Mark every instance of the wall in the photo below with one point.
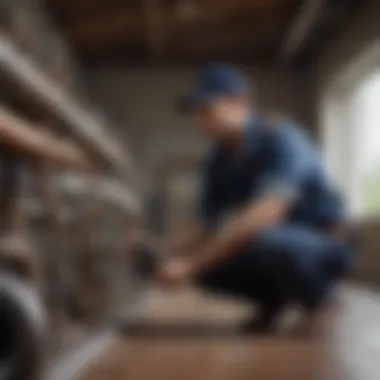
(362, 32)
(343, 61)
(142, 101)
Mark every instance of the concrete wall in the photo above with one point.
(142, 101)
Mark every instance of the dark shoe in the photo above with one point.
(265, 322)
(256, 326)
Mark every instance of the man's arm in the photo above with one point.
(239, 232)
(186, 241)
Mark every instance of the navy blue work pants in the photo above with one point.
(286, 262)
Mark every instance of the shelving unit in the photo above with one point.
(49, 134)
(25, 77)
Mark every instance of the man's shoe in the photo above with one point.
(263, 323)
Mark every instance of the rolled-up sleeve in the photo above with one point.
(288, 160)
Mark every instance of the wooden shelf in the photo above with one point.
(81, 123)
(28, 139)
(107, 189)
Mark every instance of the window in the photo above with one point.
(368, 97)
(352, 140)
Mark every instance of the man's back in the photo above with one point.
(276, 159)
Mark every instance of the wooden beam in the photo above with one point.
(302, 27)
(109, 189)
(107, 25)
(256, 55)
(71, 8)
(155, 27)
(245, 34)
(80, 122)
(223, 8)
(27, 139)
(125, 24)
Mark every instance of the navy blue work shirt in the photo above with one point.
(279, 160)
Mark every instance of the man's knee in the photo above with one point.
(341, 258)
(297, 247)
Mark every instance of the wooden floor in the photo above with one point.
(349, 351)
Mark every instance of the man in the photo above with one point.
(278, 246)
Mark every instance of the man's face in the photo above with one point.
(223, 117)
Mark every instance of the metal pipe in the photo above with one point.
(81, 123)
(23, 137)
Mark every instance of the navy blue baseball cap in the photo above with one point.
(213, 81)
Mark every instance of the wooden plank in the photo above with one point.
(27, 139)
(237, 37)
(80, 122)
(156, 31)
(129, 24)
(108, 189)
(211, 357)
(71, 8)
(350, 350)
(302, 27)
(106, 25)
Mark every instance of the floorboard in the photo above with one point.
(350, 349)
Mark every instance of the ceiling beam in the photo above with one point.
(302, 26)
(70, 7)
(106, 26)
(107, 188)
(229, 40)
(131, 24)
(260, 55)
(227, 6)
(155, 28)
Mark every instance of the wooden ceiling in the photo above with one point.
(173, 31)
(177, 32)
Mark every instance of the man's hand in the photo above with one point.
(184, 241)
(175, 273)
(249, 222)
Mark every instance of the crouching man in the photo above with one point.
(279, 246)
